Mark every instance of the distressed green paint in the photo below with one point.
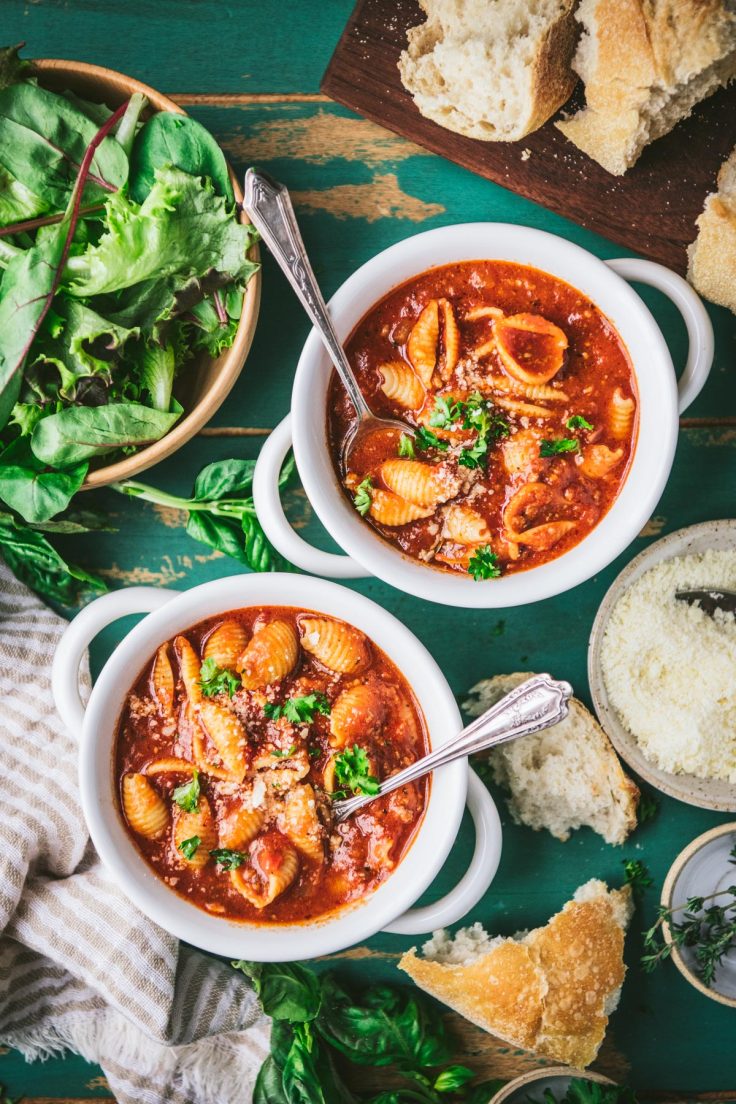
(671, 1036)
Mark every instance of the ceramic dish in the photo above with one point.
(703, 792)
(703, 868)
(205, 382)
(532, 1086)
(660, 398)
(386, 909)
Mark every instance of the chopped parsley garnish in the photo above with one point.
(278, 753)
(483, 564)
(217, 680)
(577, 421)
(647, 809)
(228, 859)
(362, 496)
(187, 795)
(636, 874)
(406, 447)
(314, 752)
(299, 710)
(557, 446)
(427, 439)
(352, 770)
(188, 847)
(475, 456)
(474, 413)
(446, 412)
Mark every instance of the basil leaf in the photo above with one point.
(286, 990)
(452, 1078)
(218, 533)
(170, 139)
(43, 139)
(269, 1086)
(260, 555)
(82, 432)
(36, 562)
(29, 488)
(12, 67)
(181, 228)
(224, 479)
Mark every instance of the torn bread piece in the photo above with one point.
(645, 65)
(550, 991)
(491, 69)
(712, 256)
(561, 778)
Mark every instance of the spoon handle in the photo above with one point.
(269, 208)
(538, 703)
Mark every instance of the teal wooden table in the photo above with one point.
(250, 72)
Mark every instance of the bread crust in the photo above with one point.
(551, 79)
(552, 991)
(646, 63)
(712, 256)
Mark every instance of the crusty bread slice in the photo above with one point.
(491, 69)
(712, 256)
(563, 777)
(550, 991)
(645, 64)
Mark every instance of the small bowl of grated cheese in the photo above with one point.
(662, 673)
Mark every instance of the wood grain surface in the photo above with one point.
(250, 73)
(651, 209)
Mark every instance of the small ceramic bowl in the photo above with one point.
(531, 1086)
(707, 793)
(205, 381)
(702, 868)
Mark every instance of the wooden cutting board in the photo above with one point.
(652, 209)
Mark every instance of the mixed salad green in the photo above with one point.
(121, 258)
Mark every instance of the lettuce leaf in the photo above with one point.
(83, 432)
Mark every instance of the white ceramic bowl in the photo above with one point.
(604, 283)
(707, 793)
(702, 868)
(529, 1088)
(169, 613)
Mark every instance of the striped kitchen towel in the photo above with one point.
(80, 968)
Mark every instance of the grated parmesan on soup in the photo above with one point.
(670, 670)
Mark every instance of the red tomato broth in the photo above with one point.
(359, 854)
(594, 365)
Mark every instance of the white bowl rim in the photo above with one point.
(703, 793)
(432, 841)
(658, 422)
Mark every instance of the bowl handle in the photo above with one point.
(695, 316)
(275, 523)
(476, 880)
(83, 629)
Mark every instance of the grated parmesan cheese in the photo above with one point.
(670, 670)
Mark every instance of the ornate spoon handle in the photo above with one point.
(538, 703)
(269, 208)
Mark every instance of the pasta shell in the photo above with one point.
(357, 712)
(621, 416)
(599, 460)
(421, 347)
(299, 821)
(451, 335)
(227, 735)
(200, 823)
(531, 348)
(402, 385)
(336, 645)
(145, 810)
(328, 775)
(465, 525)
(419, 483)
(527, 502)
(200, 758)
(162, 682)
(189, 668)
(170, 764)
(240, 826)
(484, 350)
(521, 453)
(542, 537)
(226, 644)
(389, 509)
(477, 313)
(275, 868)
(528, 410)
(270, 656)
(537, 392)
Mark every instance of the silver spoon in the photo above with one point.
(269, 208)
(538, 703)
(709, 600)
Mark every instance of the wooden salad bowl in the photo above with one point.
(205, 382)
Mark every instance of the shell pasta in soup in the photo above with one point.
(521, 408)
(232, 746)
